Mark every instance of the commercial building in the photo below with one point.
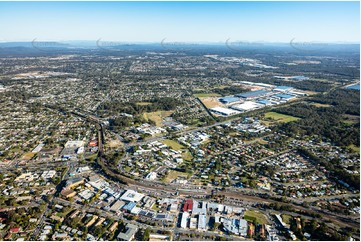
(132, 196)
(129, 206)
(184, 220)
(128, 235)
(193, 223)
(188, 206)
(117, 206)
(202, 222)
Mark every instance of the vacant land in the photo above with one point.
(281, 118)
(211, 102)
(206, 95)
(258, 217)
(172, 175)
(143, 103)
(173, 144)
(28, 155)
(157, 117)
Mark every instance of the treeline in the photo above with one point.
(155, 104)
(326, 122)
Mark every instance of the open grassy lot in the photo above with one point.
(143, 103)
(282, 118)
(173, 144)
(251, 215)
(187, 156)
(350, 119)
(206, 95)
(321, 105)
(286, 218)
(354, 148)
(157, 117)
(28, 156)
(172, 175)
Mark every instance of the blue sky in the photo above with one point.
(180, 21)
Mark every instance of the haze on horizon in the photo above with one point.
(180, 21)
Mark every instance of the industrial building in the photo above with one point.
(229, 99)
(254, 94)
(264, 102)
(284, 96)
(282, 89)
(223, 111)
(246, 106)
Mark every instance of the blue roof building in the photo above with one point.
(253, 94)
(129, 206)
(229, 99)
(264, 102)
(284, 96)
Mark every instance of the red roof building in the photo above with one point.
(15, 230)
(188, 205)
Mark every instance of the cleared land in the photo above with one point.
(173, 144)
(206, 95)
(143, 103)
(258, 217)
(321, 105)
(172, 175)
(281, 118)
(157, 117)
(211, 102)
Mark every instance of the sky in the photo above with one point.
(180, 21)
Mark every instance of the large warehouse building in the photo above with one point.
(254, 94)
(223, 111)
(247, 106)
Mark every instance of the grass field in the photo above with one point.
(206, 95)
(251, 215)
(173, 144)
(286, 218)
(282, 118)
(157, 117)
(187, 156)
(172, 175)
(354, 148)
